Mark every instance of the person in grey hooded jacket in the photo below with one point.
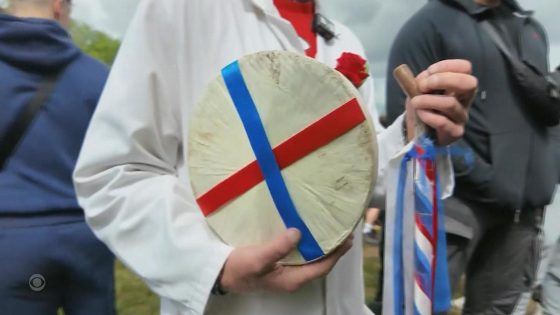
(493, 223)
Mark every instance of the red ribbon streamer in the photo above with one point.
(313, 137)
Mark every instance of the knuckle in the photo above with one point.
(467, 84)
(412, 101)
(449, 103)
(328, 267)
(434, 81)
(458, 131)
(255, 266)
(421, 101)
(292, 287)
(423, 84)
(435, 68)
(440, 123)
(473, 81)
(468, 66)
(327, 270)
(462, 117)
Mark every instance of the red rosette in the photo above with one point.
(353, 67)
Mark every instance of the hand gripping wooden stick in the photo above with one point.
(407, 82)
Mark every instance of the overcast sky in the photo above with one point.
(376, 22)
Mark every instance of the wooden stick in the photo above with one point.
(407, 82)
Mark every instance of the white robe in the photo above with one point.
(131, 177)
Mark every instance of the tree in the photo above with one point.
(94, 43)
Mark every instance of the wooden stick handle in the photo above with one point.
(407, 82)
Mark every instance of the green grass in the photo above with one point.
(134, 298)
(132, 295)
(371, 271)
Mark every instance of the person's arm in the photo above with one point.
(126, 178)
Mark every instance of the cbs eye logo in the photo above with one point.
(37, 283)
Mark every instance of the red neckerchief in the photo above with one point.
(301, 17)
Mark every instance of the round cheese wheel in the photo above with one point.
(330, 186)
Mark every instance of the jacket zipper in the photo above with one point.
(483, 92)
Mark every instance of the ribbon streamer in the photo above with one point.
(432, 293)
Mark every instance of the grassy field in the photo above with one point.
(133, 298)
(371, 271)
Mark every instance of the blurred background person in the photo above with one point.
(548, 280)
(370, 231)
(494, 221)
(547, 286)
(50, 259)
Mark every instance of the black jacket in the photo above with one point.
(515, 162)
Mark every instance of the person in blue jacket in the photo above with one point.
(49, 258)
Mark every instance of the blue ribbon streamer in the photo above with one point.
(442, 288)
(442, 292)
(247, 110)
(398, 269)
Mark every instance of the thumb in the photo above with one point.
(270, 253)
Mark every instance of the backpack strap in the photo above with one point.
(498, 40)
(9, 142)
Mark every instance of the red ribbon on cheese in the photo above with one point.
(318, 134)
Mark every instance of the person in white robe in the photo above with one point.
(133, 183)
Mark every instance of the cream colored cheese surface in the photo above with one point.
(330, 187)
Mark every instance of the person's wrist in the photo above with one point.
(218, 289)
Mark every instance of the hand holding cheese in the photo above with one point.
(279, 141)
(259, 267)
